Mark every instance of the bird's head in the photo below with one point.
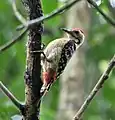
(75, 34)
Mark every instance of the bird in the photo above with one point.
(57, 54)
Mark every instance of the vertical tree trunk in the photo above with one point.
(33, 68)
(72, 87)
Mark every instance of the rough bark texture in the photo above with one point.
(72, 87)
(33, 68)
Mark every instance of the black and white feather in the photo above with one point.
(66, 54)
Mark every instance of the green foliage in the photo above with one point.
(101, 44)
(101, 49)
(12, 61)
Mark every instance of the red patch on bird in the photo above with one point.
(48, 77)
(45, 78)
(76, 29)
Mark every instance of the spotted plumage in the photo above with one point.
(66, 54)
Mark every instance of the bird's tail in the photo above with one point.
(45, 89)
(48, 78)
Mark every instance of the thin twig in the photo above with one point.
(42, 57)
(54, 13)
(107, 18)
(10, 96)
(34, 21)
(97, 87)
(46, 17)
(17, 14)
(17, 38)
(12, 42)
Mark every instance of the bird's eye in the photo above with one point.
(77, 32)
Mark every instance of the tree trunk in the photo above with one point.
(33, 68)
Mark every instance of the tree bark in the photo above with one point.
(72, 87)
(33, 68)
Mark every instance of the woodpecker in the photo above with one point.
(57, 54)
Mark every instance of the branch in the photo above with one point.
(107, 18)
(17, 38)
(17, 14)
(32, 22)
(65, 7)
(46, 17)
(12, 42)
(10, 96)
(97, 87)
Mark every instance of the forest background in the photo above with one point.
(92, 58)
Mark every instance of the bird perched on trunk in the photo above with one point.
(57, 54)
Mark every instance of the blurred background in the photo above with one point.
(83, 70)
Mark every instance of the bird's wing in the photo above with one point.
(66, 54)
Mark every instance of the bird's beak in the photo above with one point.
(66, 30)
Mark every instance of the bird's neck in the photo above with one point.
(77, 41)
(71, 37)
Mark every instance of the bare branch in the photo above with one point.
(32, 22)
(17, 38)
(46, 17)
(107, 18)
(10, 96)
(17, 14)
(97, 87)
(65, 7)
(12, 42)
